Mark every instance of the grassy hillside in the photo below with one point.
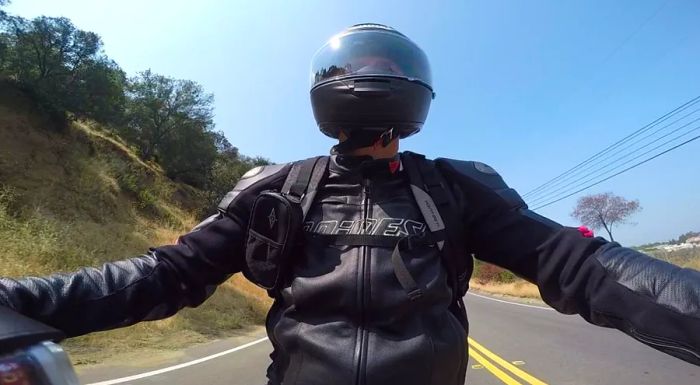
(495, 280)
(684, 257)
(79, 196)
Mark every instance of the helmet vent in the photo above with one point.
(372, 26)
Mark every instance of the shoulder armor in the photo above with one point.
(487, 177)
(255, 180)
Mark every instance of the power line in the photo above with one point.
(544, 193)
(634, 33)
(636, 157)
(549, 194)
(619, 142)
(591, 77)
(618, 173)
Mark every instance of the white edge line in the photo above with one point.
(508, 302)
(176, 367)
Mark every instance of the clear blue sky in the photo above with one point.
(529, 87)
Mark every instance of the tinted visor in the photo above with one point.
(370, 53)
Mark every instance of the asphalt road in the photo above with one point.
(509, 343)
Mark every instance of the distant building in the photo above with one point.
(693, 240)
(681, 246)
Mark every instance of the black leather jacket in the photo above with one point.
(342, 316)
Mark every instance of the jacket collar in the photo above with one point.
(366, 166)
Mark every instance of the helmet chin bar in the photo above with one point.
(360, 138)
(335, 107)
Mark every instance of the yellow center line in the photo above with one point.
(505, 364)
(508, 380)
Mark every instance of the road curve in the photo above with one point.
(559, 349)
(509, 343)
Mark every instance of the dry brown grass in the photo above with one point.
(250, 290)
(694, 264)
(117, 144)
(82, 198)
(519, 288)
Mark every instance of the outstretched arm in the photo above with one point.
(653, 301)
(153, 286)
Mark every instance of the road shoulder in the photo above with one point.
(147, 360)
(509, 298)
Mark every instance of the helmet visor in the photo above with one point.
(370, 53)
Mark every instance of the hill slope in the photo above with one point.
(82, 197)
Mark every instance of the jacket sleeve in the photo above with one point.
(651, 300)
(152, 286)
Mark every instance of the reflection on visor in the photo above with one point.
(377, 65)
(370, 53)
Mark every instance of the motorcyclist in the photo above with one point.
(342, 313)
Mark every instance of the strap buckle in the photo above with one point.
(415, 295)
(387, 136)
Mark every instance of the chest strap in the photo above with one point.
(385, 241)
(398, 244)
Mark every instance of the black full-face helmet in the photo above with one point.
(370, 77)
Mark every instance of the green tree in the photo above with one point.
(188, 155)
(4, 51)
(227, 169)
(99, 92)
(684, 237)
(4, 37)
(50, 48)
(63, 66)
(171, 121)
(2, 4)
(158, 106)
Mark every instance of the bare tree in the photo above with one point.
(604, 211)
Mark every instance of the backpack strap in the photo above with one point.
(304, 179)
(426, 204)
(437, 205)
(454, 227)
(300, 188)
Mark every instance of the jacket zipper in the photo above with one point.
(363, 286)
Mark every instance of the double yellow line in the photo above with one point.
(476, 350)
